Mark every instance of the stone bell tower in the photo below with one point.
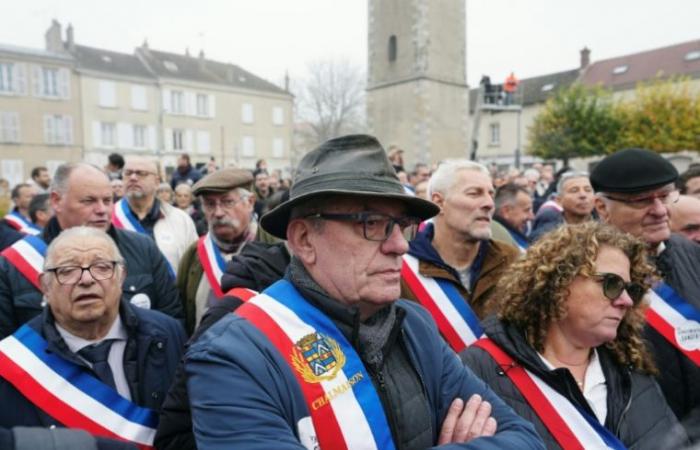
(417, 96)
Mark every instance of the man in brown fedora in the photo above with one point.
(227, 204)
(329, 357)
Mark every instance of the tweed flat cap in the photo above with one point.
(354, 165)
(632, 170)
(223, 180)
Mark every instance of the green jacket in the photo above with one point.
(189, 274)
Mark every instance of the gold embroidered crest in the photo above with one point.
(317, 358)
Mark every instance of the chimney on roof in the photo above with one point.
(286, 80)
(201, 59)
(187, 52)
(585, 57)
(53, 37)
(70, 42)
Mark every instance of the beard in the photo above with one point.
(136, 195)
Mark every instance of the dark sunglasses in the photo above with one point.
(613, 285)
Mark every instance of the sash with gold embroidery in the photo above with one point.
(344, 406)
(27, 255)
(69, 394)
(675, 319)
(452, 314)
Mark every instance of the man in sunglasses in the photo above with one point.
(91, 361)
(634, 192)
(329, 357)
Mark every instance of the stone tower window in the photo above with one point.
(392, 48)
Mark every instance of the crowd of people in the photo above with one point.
(358, 305)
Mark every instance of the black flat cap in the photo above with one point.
(223, 180)
(354, 165)
(632, 170)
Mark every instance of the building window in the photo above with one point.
(49, 86)
(203, 142)
(277, 115)
(12, 170)
(178, 140)
(107, 94)
(392, 48)
(177, 102)
(248, 146)
(202, 105)
(9, 127)
(58, 130)
(278, 148)
(247, 115)
(495, 134)
(108, 134)
(139, 136)
(6, 81)
(138, 98)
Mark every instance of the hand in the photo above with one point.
(465, 422)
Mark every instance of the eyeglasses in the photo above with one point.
(225, 203)
(100, 270)
(667, 198)
(139, 173)
(613, 285)
(375, 226)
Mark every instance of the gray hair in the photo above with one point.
(567, 176)
(443, 178)
(64, 171)
(80, 233)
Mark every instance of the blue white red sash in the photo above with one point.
(675, 319)
(27, 255)
(244, 294)
(69, 394)
(345, 409)
(123, 218)
(520, 241)
(212, 262)
(570, 426)
(451, 312)
(18, 222)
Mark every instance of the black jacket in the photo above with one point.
(8, 235)
(155, 343)
(679, 376)
(637, 413)
(146, 273)
(256, 267)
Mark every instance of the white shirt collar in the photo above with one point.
(117, 331)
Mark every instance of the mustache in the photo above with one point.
(225, 221)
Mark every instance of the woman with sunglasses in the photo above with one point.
(565, 349)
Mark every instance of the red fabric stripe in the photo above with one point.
(22, 265)
(325, 422)
(667, 330)
(13, 222)
(206, 265)
(242, 293)
(534, 396)
(45, 400)
(427, 301)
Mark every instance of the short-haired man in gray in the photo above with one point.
(329, 357)
(634, 191)
(514, 212)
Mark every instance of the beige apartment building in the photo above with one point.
(72, 102)
(500, 131)
(40, 116)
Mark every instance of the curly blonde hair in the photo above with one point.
(533, 292)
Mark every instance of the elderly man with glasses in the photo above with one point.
(634, 190)
(227, 204)
(139, 210)
(329, 357)
(91, 360)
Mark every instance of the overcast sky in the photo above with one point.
(269, 37)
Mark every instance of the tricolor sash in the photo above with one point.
(453, 315)
(18, 222)
(212, 262)
(522, 243)
(570, 426)
(69, 394)
(345, 409)
(675, 319)
(27, 255)
(123, 218)
(244, 294)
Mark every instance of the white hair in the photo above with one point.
(78, 234)
(443, 178)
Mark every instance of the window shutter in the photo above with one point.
(68, 130)
(37, 81)
(151, 138)
(48, 129)
(203, 142)
(96, 134)
(166, 100)
(64, 83)
(19, 73)
(187, 140)
(14, 127)
(212, 106)
(190, 103)
(125, 138)
(168, 139)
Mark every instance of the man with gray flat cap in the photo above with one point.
(329, 357)
(634, 190)
(227, 203)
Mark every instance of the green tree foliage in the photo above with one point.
(663, 115)
(576, 122)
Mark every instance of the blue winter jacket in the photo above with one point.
(244, 395)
